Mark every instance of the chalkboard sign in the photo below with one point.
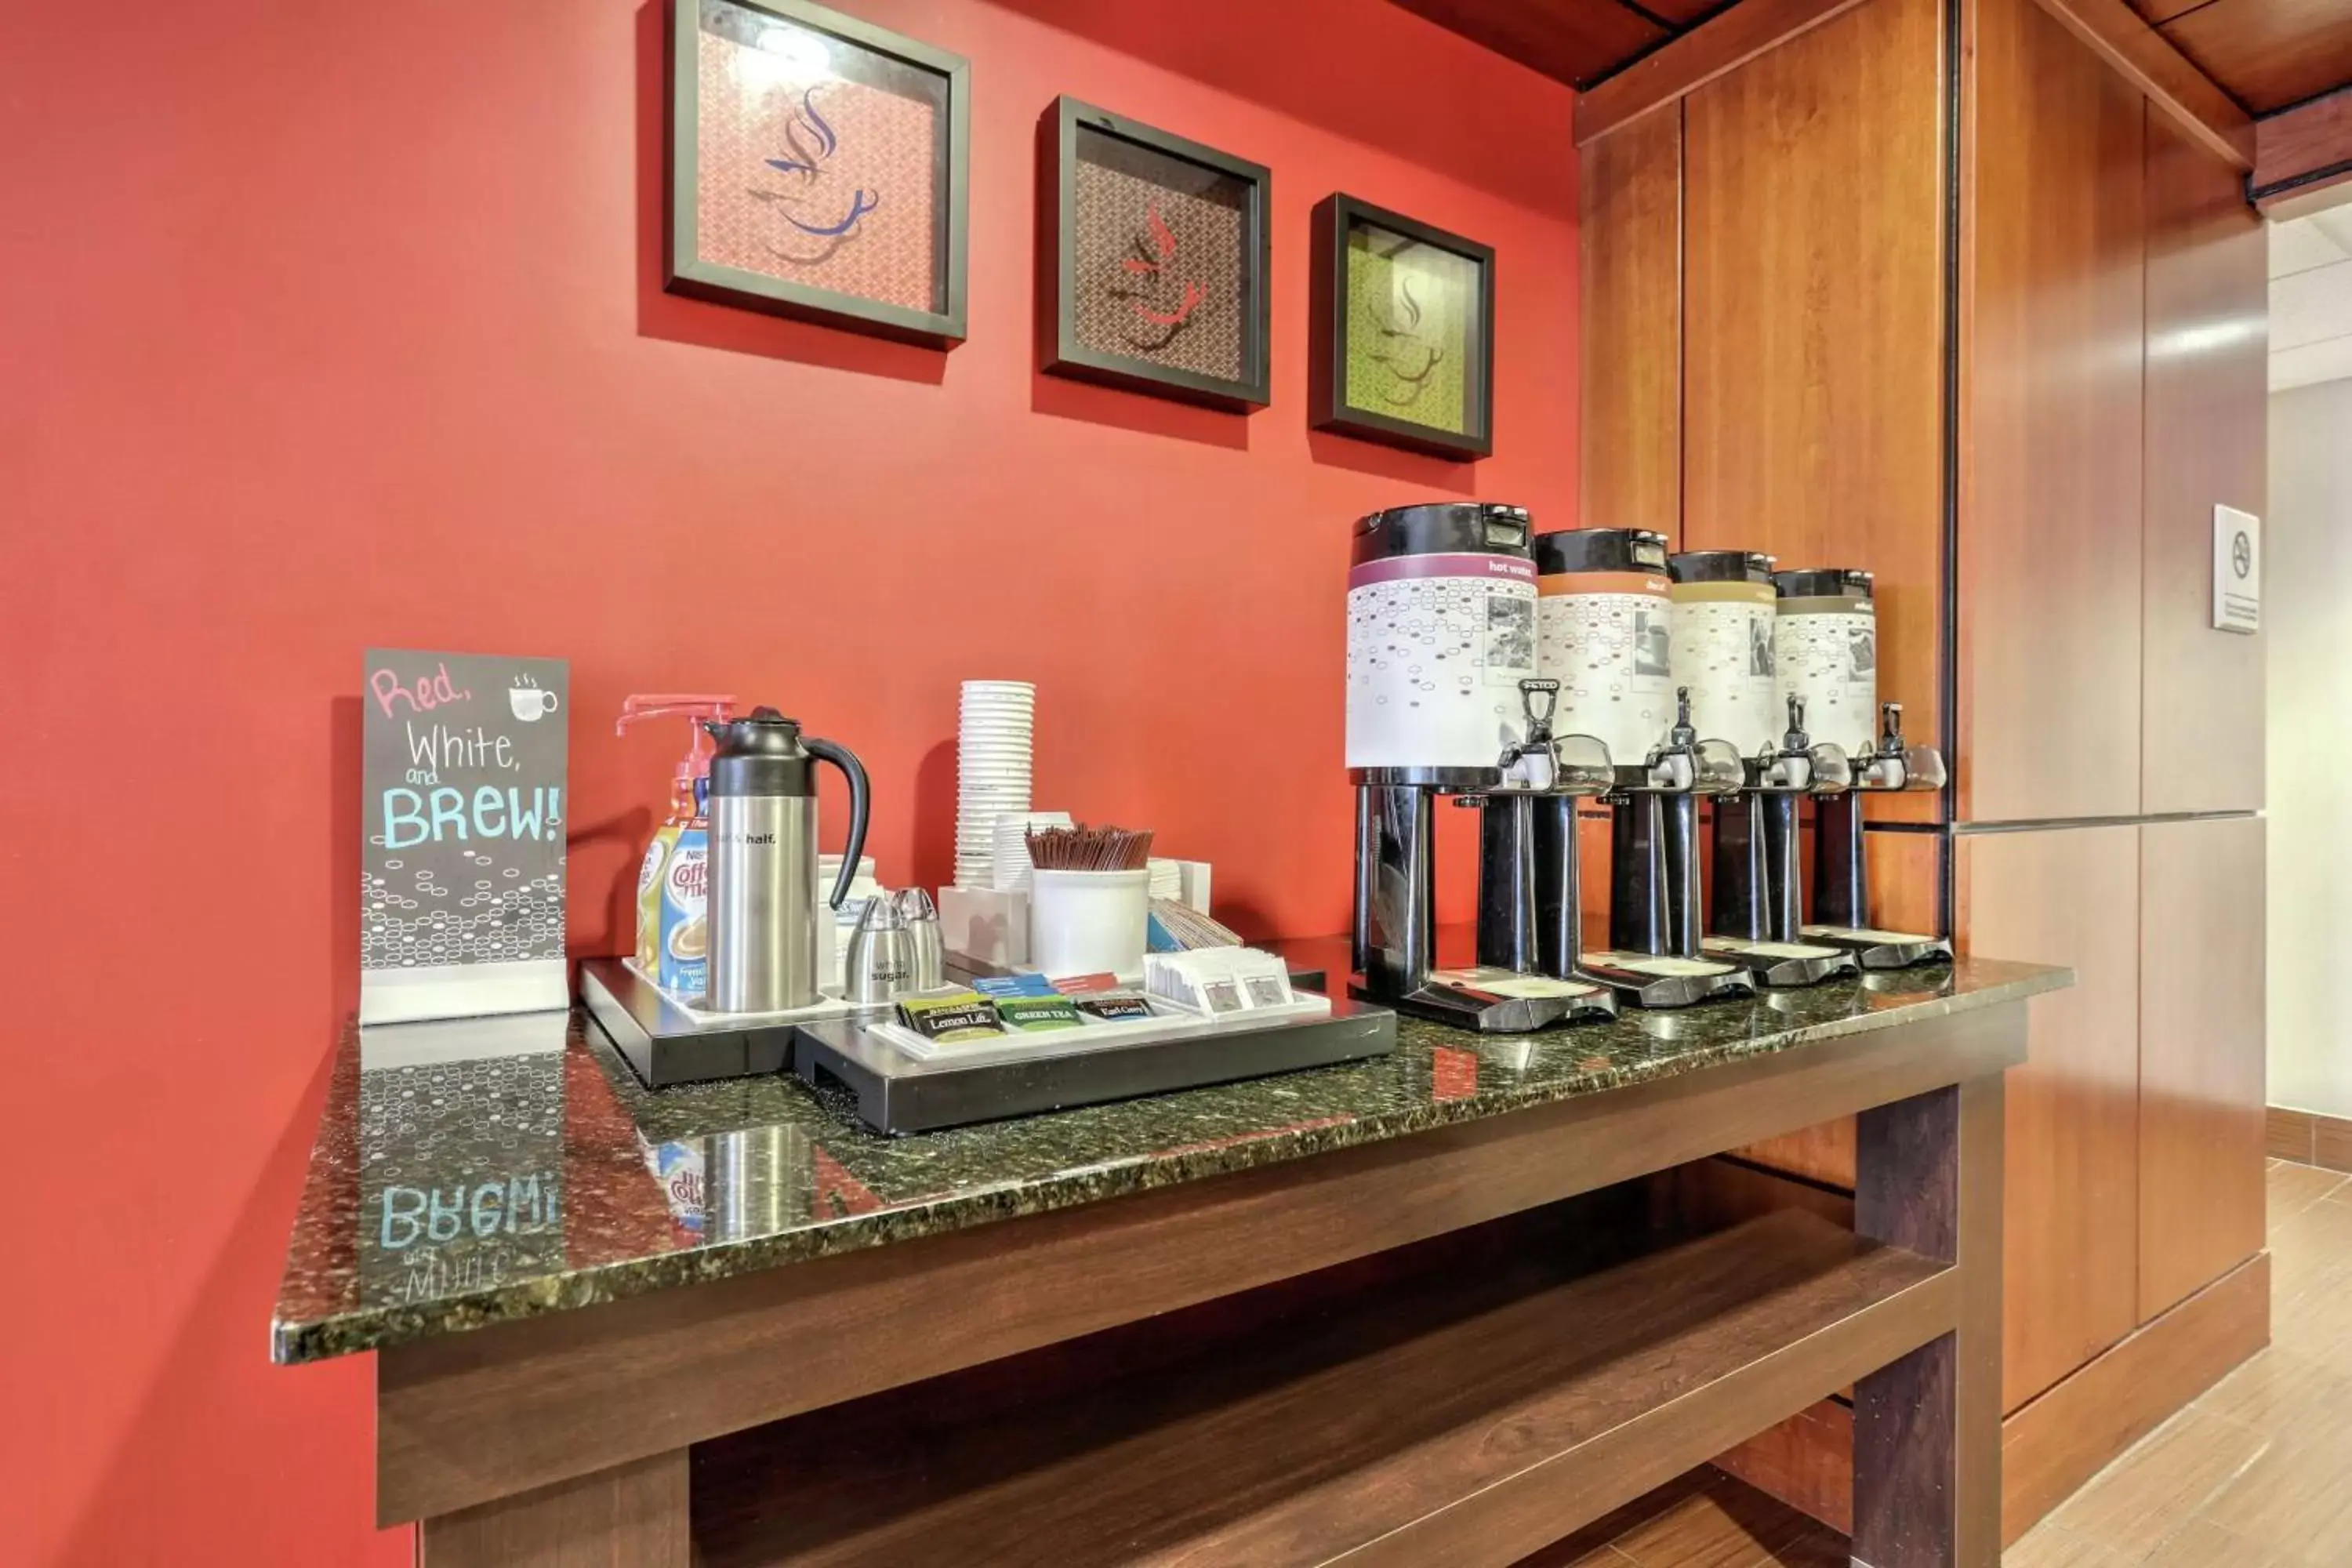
(463, 812)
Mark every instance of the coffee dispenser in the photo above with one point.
(1606, 621)
(1529, 900)
(1826, 642)
(1443, 700)
(1825, 651)
(1759, 897)
(1841, 871)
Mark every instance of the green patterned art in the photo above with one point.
(1410, 308)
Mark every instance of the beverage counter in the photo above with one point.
(1415, 1308)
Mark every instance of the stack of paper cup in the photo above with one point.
(997, 725)
(1009, 871)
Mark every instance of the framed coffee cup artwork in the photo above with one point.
(1403, 324)
(818, 168)
(1152, 260)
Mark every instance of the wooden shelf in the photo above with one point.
(1461, 1416)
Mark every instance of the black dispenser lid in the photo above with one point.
(1600, 550)
(759, 754)
(1721, 566)
(1823, 583)
(1441, 528)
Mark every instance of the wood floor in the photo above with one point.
(2256, 1474)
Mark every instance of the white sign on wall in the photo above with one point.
(2237, 569)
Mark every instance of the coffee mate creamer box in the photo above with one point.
(685, 926)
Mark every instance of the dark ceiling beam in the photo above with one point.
(1568, 40)
(2185, 95)
(2302, 157)
(1722, 44)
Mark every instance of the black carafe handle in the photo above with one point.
(853, 770)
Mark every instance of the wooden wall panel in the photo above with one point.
(1631, 305)
(2208, 302)
(2201, 1055)
(1902, 897)
(1814, 331)
(1904, 887)
(2067, 896)
(2049, 480)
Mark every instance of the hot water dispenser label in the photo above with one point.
(1724, 653)
(463, 813)
(1827, 650)
(1437, 646)
(1608, 638)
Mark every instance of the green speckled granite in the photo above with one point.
(520, 1168)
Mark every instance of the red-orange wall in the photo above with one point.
(330, 325)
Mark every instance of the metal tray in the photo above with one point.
(665, 1044)
(897, 1094)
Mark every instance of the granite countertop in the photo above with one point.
(479, 1171)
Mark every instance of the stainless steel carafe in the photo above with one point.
(763, 908)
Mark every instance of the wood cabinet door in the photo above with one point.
(2208, 305)
(2201, 1055)
(1630, 306)
(2071, 1235)
(1814, 330)
(2050, 477)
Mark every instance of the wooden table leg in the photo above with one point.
(1927, 1428)
(631, 1516)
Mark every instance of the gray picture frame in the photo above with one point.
(1337, 216)
(687, 272)
(1060, 352)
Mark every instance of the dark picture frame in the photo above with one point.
(691, 271)
(1337, 218)
(1071, 133)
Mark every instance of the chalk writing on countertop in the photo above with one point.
(520, 1204)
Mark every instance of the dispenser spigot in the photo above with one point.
(1538, 723)
(1683, 763)
(1682, 736)
(1894, 763)
(1787, 768)
(1568, 765)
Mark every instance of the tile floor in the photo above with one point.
(2256, 1474)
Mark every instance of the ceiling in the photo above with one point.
(2266, 54)
(2311, 299)
(1574, 41)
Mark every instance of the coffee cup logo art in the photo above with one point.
(1162, 299)
(821, 211)
(528, 702)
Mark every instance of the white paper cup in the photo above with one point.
(1089, 923)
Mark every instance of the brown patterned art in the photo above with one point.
(817, 163)
(1162, 270)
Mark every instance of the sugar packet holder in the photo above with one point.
(1219, 980)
